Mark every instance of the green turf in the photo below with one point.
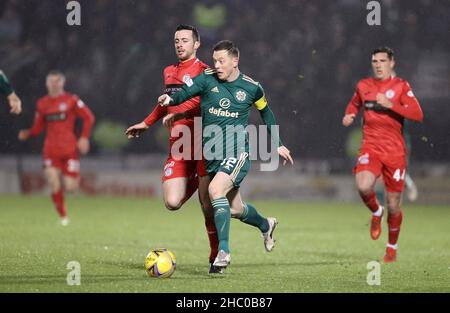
(322, 247)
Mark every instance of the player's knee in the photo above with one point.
(393, 205)
(364, 187)
(215, 192)
(173, 204)
(71, 187)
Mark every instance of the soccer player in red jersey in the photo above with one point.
(57, 113)
(5, 89)
(181, 177)
(386, 101)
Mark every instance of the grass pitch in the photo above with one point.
(321, 247)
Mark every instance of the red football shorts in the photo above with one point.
(393, 172)
(183, 168)
(69, 165)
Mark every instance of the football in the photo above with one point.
(160, 263)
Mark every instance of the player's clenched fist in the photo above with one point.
(383, 101)
(24, 134)
(15, 104)
(135, 130)
(348, 119)
(164, 100)
(83, 145)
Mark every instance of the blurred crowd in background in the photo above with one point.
(308, 55)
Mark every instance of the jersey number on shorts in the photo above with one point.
(397, 175)
(229, 163)
(73, 166)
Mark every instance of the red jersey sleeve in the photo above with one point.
(86, 115)
(158, 113)
(355, 103)
(409, 107)
(39, 122)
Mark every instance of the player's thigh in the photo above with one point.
(174, 192)
(367, 170)
(394, 175)
(53, 176)
(232, 173)
(394, 181)
(236, 204)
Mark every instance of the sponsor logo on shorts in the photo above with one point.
(168, 172)
(364, 159)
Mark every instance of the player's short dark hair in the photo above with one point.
(227, 45)
(386, 50)
(56, 73)
(194, 30)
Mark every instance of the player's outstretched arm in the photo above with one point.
(269, 119)
(194, 88)
(136, 130)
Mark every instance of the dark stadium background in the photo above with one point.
(307, 54)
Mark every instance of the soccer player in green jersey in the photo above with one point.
(5, 89)
(226, 97)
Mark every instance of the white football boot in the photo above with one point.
(222, 260)
(269, 242)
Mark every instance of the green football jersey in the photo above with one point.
(225, 108)
(5, 87)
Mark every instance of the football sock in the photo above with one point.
(191, 187)
(222, 219)
(251, 216)
(394, 222)
(379, 212)
(371, 201)
(380, 196)
(58, 201)
(213, 241)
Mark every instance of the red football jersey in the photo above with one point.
(58, 116)
(382, 129)
(175, 76)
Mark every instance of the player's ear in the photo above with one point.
(196, 45)
(392, 63)
(235, 61)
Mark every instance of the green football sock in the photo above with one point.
(222, 219)
(251, 216)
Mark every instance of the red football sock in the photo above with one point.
(58, 200)
(192, 186)
(371, 201)
(213, 241)
(394, 222)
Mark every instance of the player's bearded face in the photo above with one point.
(185, 46)
(224, 64)
(382, 66)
